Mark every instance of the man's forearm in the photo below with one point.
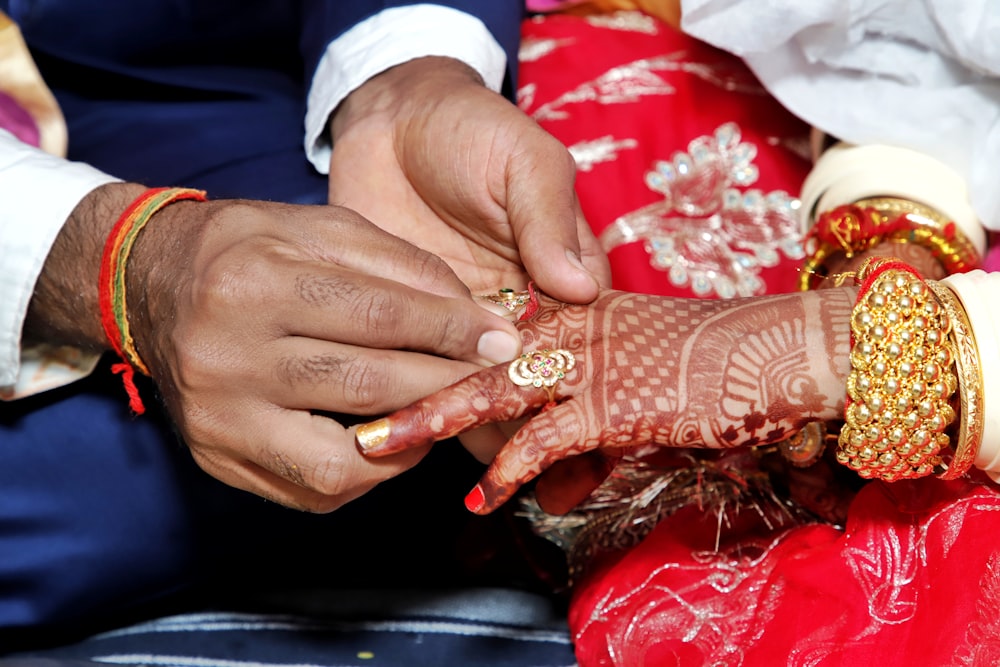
(64, 308)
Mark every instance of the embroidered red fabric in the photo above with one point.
(686, 167)
(688, 171)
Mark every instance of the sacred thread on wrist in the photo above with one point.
(111, 282)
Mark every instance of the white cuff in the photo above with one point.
(37, 194)
(387, 39)
(845, 174)
(977, 291)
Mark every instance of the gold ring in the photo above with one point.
(542, 369)
(508, 298)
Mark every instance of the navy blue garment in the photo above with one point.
(103, 514)
(358, 628)
(202, 94)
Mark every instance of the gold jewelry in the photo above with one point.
(508, 298)
(858, 227)
(542, 368)
(970, 384)
(927, 227)
(902, 378)
(805, 447)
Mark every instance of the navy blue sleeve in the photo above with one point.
(325, 20)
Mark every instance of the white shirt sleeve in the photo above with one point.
(919, 75)
(38, 192)
(385, 40)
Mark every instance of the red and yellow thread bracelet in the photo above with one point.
(858, 227)
(111, 282)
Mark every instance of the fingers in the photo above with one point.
(567, 483)
(372, 313)
(319, 375)
(484, 442)
(593, 256)
(426, 309)
(302, 461)
(488, 396)
(553, 435)
(342, 237)
(279, 295)
(553, 238)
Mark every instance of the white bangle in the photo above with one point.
(974, 290)
(845, 174)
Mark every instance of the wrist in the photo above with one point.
(402, 88)
(64, 309)
(919, 257)
(828, 340)
(157, 272)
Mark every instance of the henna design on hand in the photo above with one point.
(652, 370)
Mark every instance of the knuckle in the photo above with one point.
(227, 279)
(328, 479)
(326, 290)
(447, 332)
(336, 482)
(367, 383)
(381, 312)
(430, 267)
(561, 155)
(313, 370)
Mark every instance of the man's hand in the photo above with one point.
(257, 320)
(427, 152)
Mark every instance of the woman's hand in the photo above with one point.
(648, 371)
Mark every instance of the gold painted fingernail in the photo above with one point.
(373, 434)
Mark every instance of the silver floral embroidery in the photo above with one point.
(981, 645)
(536, 48)
(630, 82)
(722, 610)
(628, 21)
(710, 232)
(619, 85)
(605, 149)
(526, 95)
(891, 569)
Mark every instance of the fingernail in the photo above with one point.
(575, 260)
(475, 500)
(373, 434)
(498, 347)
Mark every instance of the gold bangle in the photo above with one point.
(928, 228)
(901, 382)
(860, 226)
(970, 383)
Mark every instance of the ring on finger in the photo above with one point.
(542, 369)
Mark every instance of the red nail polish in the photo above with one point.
(475, 500)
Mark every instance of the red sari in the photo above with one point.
(688, 172)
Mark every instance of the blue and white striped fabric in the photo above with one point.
(480, 628)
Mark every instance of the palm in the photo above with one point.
(421, 210)
(429, 154)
